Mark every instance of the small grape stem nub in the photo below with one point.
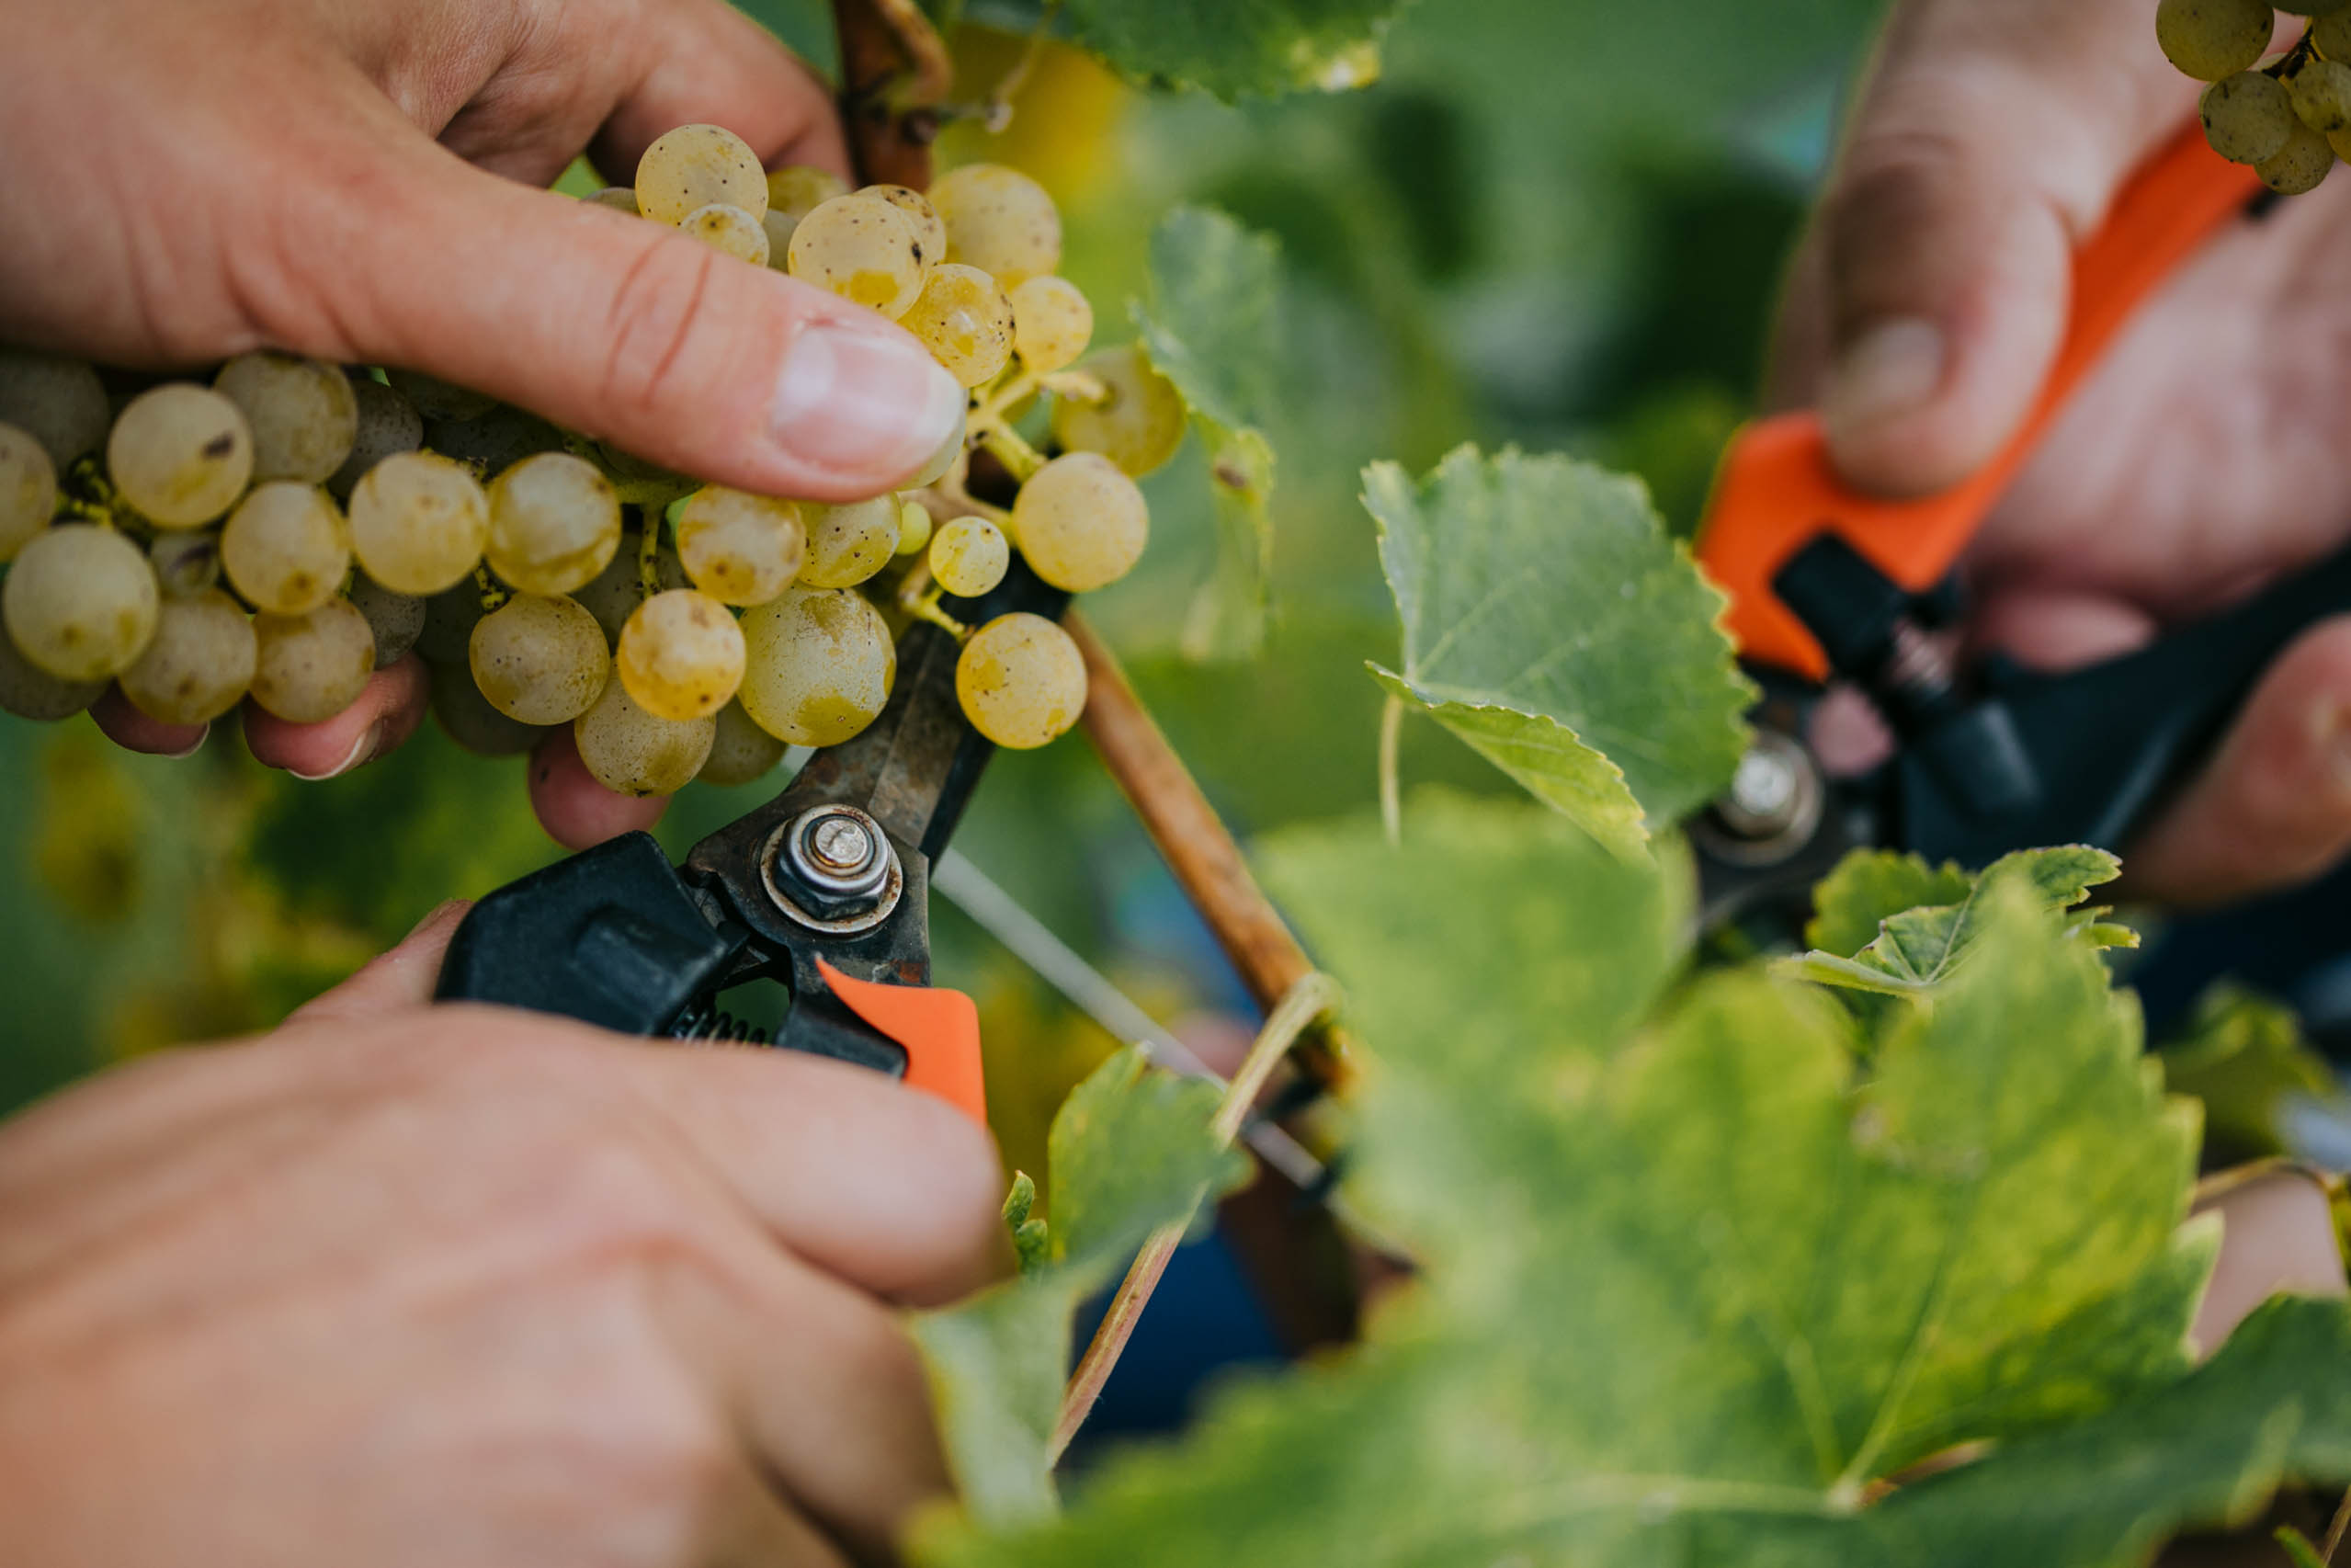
(919, 597)
(989, 413)
(492, 595)
(1019, 458)
(649, 551)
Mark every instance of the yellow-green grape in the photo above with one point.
(965, 320)
(2213, 38)
(999, 221)
(1021, 681)
(620, 198)
(554, 523)
(740, 750)
(728, 230)
(1138, 424)
(284, 548)
(694, 165)
(913, 529)
(1082, 524)
(312, 667)
(681, 655)
(793, 192)
(394, 621)
(930, 232)
(28, 489)
(31, 692)
(819, 666)
(538, 660)
(437, 399)
(2301, 164)
(197, 665)
(970, 556)
(864, 251)
(848, 544)
(418, 522)
(1052, 322)
(2320, 92)
(468, 719)
(61, 402)
(302, 412)
(80, 602)
(2246, 116)
(181, 454)
(632, 752)
(2340, 141)
(388, 423)
(740, 548)
(184, 560)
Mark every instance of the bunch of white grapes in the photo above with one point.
(2287, 114)
(279, 531)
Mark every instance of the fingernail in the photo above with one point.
(447, 909)
(1892, 369)
(363, 750)
(203, 733)
(863, 402)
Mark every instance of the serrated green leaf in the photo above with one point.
(1131, 1150)
(1550, 623)
(1230, 48)
(1871, 886)
(1919, 947)
(1715, 1289)
(2243, 1056)
(1211, 327)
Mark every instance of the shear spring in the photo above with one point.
(706, 1024)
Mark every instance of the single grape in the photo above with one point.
(312, 667)
(285, 548)
(493, 442)
(2246, 116)
(930, 232)
(1139, 421)
(181, 454)
(554, 523)
(849, 543)
(394, 621)
(387, 423)
(999, 221)
(864, 251)
(694, 165)
(539, 661)
(28, 489)
(970, 556)
(2321, 93)
(2213, 38)
(304, 414)
(2301, 164)
(186, 562)
(1021, 681)
(437, 399)
(680, 655)
(419, 522)
(964, 319)
(197, 665)
(81, 601)
(31, 692)
(1081, 523)
(632, 752)
(468, 719)
(1051, 323)
(60, 401)
(740, 750)
(620, 198)
(740, 548)
(729, 231)
(818, 668)
(913, 529)
(449, 620)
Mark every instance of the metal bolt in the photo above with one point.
(839, 844)
(832, 867)
(1776, 795)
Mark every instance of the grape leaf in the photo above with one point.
(1230, 47)
(1214, 308)
(2243, 1056)
(1701, 1297)
(1550, 623)
(1918, 947)
(1131, 1150)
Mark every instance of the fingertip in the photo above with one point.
(384, 715)
(403, 977)
(577, 812)
(127, 727)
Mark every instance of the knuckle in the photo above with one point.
(654, 325)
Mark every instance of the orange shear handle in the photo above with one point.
(939, 1030)
(1777, 490)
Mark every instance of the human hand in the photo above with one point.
(360, 182)
(2204, 456)
(467, 1288)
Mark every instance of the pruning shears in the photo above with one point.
(825, 890)
(1826, 585)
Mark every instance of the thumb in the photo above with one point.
(391, 982)
(1988, 145)
(635, 333)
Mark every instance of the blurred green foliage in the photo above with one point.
(1553, 221)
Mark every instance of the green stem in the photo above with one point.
(1391, 806)
(1018, 456)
